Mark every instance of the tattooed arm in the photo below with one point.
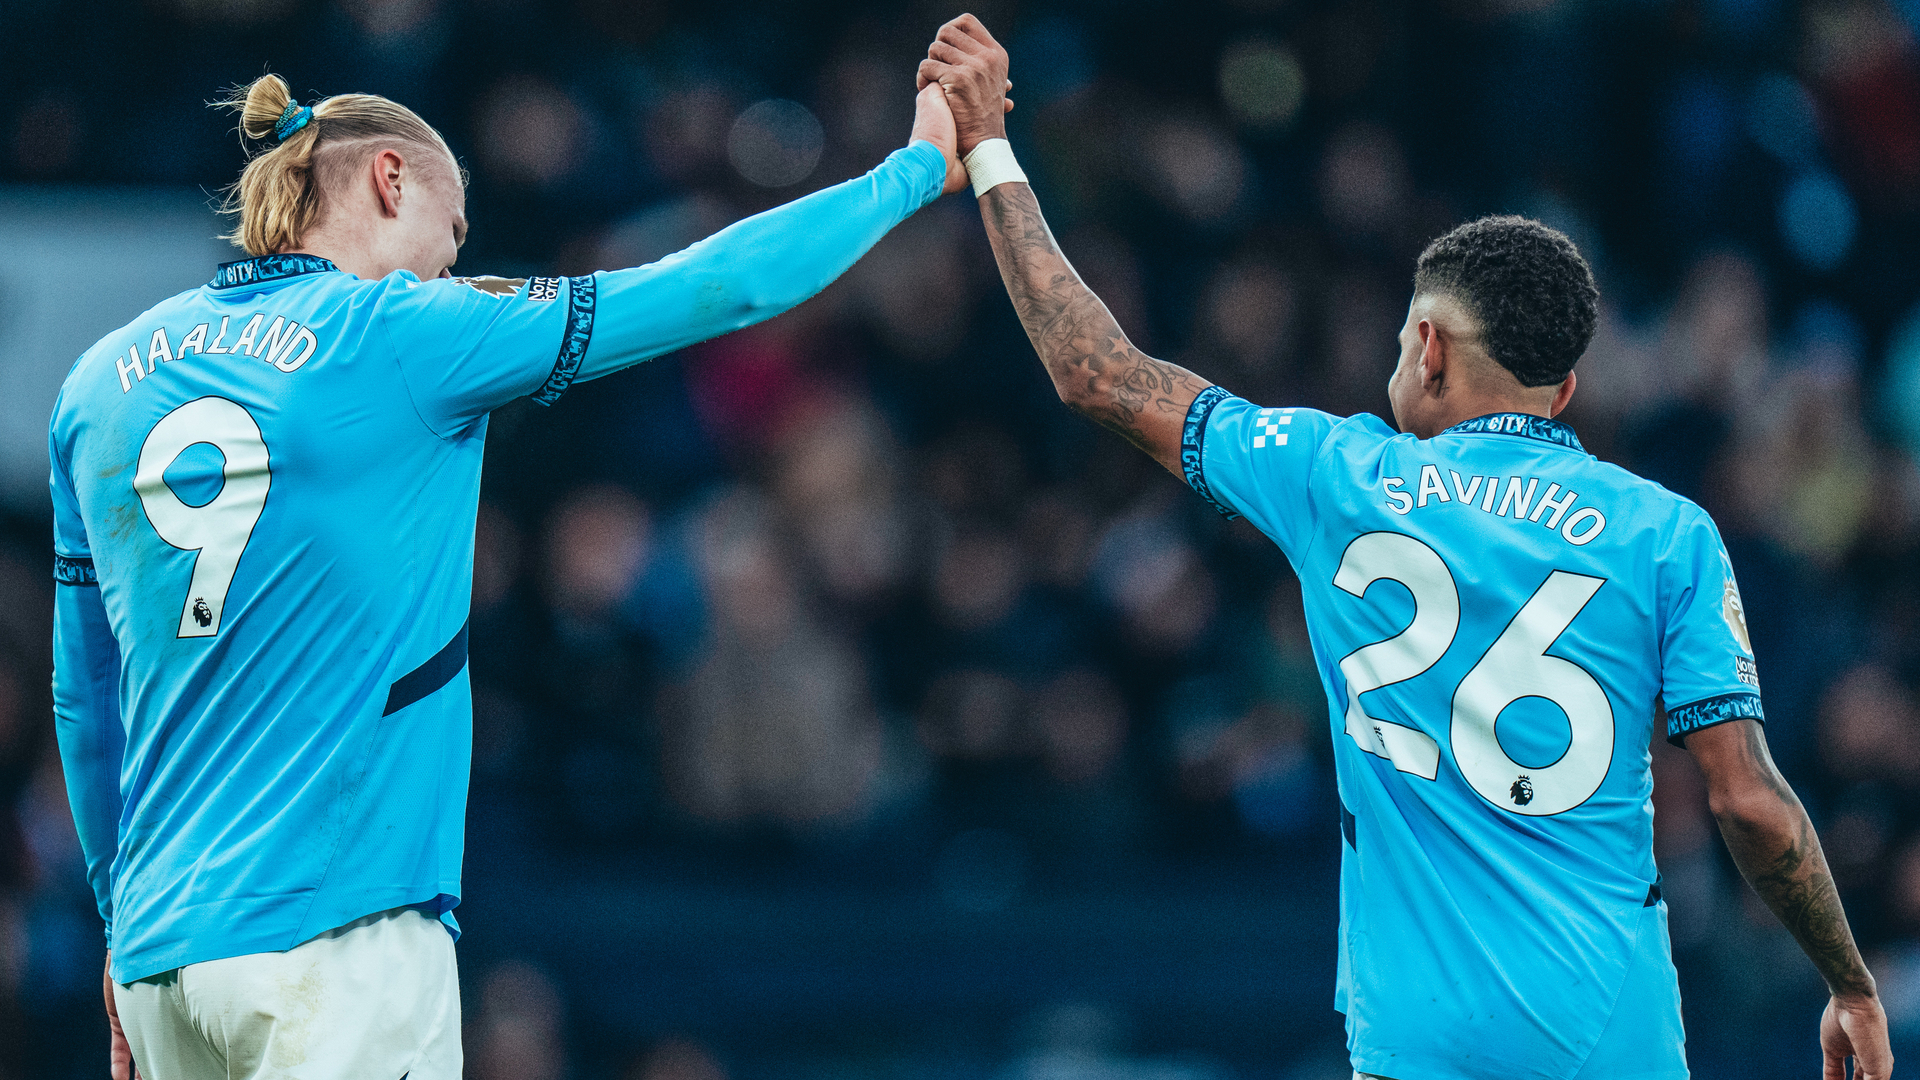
(1095, 368)
(1779, 854)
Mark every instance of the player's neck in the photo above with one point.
(357, 250)
(1458, 408)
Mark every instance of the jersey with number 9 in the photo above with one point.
(272, 483)
(1497, 618)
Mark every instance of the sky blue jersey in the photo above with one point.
(264, 494)
(1497, 617)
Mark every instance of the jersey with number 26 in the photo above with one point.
(1497, 617)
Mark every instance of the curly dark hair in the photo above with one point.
(1525, 284)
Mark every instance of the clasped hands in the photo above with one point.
(962, 94)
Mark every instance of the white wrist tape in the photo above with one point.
(991, 164)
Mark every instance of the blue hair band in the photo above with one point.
(295, 118)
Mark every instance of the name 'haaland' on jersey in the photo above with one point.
(285, 345)
(1520, 499)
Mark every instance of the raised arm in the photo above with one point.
(1773, 843)
(771, 262)
(1095, 368)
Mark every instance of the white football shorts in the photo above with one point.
(376, 999)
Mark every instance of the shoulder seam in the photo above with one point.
(1313, 465)
(393, 354)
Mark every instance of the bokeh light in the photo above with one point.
(775, 143)
(1262, 83)
(532, 134)
(1817, 219)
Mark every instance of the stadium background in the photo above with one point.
(845, 707)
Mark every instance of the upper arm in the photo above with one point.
(466, 346)
(1707, 671)
(1733, 758)
(1255, 462)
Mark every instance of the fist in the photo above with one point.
(971, 68)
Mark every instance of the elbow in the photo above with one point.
(1749, 811)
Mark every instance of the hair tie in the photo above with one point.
(295, 118)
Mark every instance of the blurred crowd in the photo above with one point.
(852, 588)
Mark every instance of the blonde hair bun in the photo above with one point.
(281, 194)
(260, 105)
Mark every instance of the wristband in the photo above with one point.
(991, 164)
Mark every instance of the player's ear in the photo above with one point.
(389, 170)
(1433, 354)
(1564, 394)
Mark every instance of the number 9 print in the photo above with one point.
(219, 529)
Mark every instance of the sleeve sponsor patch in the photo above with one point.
(1735, 613)
(1746, 671)
(494, 286)
(542, 289)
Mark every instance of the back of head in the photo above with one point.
(281, 194)
(1527, 287)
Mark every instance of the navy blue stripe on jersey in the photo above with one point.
(268, 268)
(1349, 827)
(1524, 425)
(573, 344)
(1653, 895)
(68, 570)
(1193, 439)
(1707, 712)
(437, 672)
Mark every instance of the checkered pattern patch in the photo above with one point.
(1267, 424)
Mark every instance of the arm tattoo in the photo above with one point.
(1788, 869)
(1094, 366)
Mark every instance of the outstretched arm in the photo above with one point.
(771, 262)
(1094, 366)
(1773, 843)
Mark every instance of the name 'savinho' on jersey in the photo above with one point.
(1521, 499)
(285, 345)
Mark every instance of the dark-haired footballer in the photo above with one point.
(1497, 617)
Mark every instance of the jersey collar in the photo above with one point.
(268, 268)
(1524, 425)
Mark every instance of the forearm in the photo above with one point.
(756, 268)
(1095, 368)
(86, 692)
(1774, 845)
(1780, 856)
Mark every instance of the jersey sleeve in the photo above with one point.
(86, 694)
(466, 346)
(1707, 671)
(757, 268)
(1255, 462)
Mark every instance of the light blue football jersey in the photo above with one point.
(271, 481)
(1497, 617)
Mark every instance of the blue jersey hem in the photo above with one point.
(1193, 440)
(1710, 712)
(240, 927)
